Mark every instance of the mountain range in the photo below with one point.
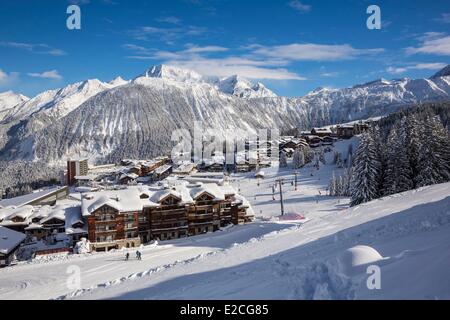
(107, 121)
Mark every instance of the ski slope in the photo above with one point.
(410, 231)
(407, 236)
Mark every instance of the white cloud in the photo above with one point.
(52, 74)
(196, 49)
(168, 35)
(299, 6)
(432, 43)
(171, 20)
(444, 18)
(329, 74)
(417, 66)
(39, 48)
(8, 78)
(254, 61)
(396, 70)
(313, 52)
(195, 58)
(227, 67)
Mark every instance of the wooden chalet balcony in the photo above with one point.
(105, 231)
(158, 216)
(105, 221)
(168, 229)
(195, 216)
(169, 220)
(192, 224)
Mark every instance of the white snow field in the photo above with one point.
(326, 257)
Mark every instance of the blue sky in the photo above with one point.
(291, 46)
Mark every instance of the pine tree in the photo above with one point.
(414, 144)
(367, 170)
(333, 185)
(433, 162)
(398, 173)
(283, 160)
(298, 159)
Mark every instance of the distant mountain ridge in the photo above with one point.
(136, 118)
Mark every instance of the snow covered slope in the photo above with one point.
(32, 115)
(407, 235)
(8, 100)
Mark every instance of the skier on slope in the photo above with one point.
(127, 255)
(138, 255)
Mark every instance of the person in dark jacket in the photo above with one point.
(127, 255)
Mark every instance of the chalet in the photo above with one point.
(361, 127)
(241, 166)
(16, 218)
(128, 178)
(241, 211)
(139, 214)
(321, 132)
(87, 180)
(10, 241)
(185, 169)
(313, 141)
(214, 166)
(327, 141)
(165, 215)
(345, 131)
(63, 218)
(211, 208)
(162, 172)
(112, 218)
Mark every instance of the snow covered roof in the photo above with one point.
(129, 175)
(211, 188)
(130, 199)
(12, 212)
(9, 239)
(125, 200)
(323, 130)
(162, 169)
(185, 168)
(26, 199)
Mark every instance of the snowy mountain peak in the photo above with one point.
(118, 81)
(442, 73)
(173, 73)
(243, 88)
(10, 99)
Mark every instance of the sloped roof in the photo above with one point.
(26, 199)
(9, 239)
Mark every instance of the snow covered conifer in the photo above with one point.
(298, 159)
(398, 173)
(366, 170)
(433, 161)
(283, 160)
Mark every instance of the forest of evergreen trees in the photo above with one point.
(22, 177)
(403, 151)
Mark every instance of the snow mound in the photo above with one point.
(352, 260)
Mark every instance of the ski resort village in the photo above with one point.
(339, 199)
